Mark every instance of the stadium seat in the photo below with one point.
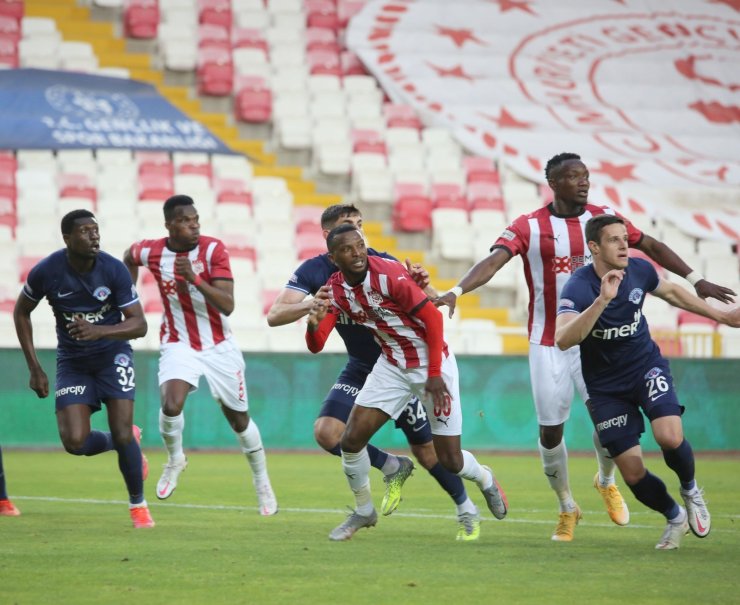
(140, 19)
(321, 13)
(307, 219)
(211, 35)
(481, 169)
(448, 195)
(351, 64)
(73, 185)
(252, 100)
(154, 186)
(12, 9)
(412, 209)
(214, 72)
(215, 12)
(319, 38)
(309, 244)
(323, 62)
(398, 115)
(483, 195)
(346, 9)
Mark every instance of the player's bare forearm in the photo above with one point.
(483, 271)
(220, 294)
(683, 299)
(132, 267)
(24, 330)
(572, 328)
(281, 314)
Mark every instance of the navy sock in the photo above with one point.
(336, 450)
(129, 461)
(681, 462)
(97, 442)
(3, 493)
(377, 457)
(450, 482)
(651, 491)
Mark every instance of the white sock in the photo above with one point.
(606, 463)
(357, 470)
(680, 518)
(391, 465)
(473, 471)
(141, 504)
(170, 428)
(467, 507)
(250, 441)
(555, 465)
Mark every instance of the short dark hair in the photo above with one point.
(336, 232)
(337, 211)
(557, 160)
(596, 223)
(68, 220)
(173, 202)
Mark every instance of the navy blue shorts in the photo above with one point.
(93, 380)
(340, 399)
(618, 416)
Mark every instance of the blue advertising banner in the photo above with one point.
(44, 109)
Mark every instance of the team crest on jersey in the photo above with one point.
(653, 373)
(508, 234)
(567, 303)
(198, 266)
(101, 293)
(122, 360)
(375, 298)
(636, 296)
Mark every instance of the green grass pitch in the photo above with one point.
(74, 543)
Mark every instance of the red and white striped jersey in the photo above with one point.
(384, 303)
(187, 317)
(552, 247)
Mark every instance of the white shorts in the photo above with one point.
(388, 388)
(222, 366)
(554, 374)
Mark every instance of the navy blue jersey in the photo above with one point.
(97, 296)
(313, 274)
(614, 354)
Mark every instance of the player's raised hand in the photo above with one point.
(184, 269)
(732, 318)
(706, 289)
(418, 273)
(447, 299)
(610, 283)
(317, 313)
(79, 329)
(323, 293)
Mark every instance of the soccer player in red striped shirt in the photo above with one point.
(381, 295)
(194, 277)
(552, 245)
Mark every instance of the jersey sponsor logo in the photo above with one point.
(101, 293)
(347, 388)
(615, 422)
(169, 287)
(653, 373)
(636, 296)
(75, 390)
(568, 264)
(122, 360)
(92, 316)
(619, 331)
(375, 298)
(508, 234)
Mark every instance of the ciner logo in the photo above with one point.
(619, 331)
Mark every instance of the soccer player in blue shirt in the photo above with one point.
(626, 375)
(97, 311)
(292, 304)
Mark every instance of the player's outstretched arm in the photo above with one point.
(572, 328)
(683, 299)
(663, 255)
(477, 275)
(131, 265)
(289, 306)
(39, 382)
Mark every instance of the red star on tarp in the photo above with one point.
(617, 172)
(459, 36)
(453, 72)
(506, 120)
(733, 4)
(507, 5)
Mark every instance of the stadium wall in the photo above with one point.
(286, 390)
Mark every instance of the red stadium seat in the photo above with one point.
(412, 209)
(155, 187)
(154, 162)
(346, 9)
(689, 318)
(268, 298)
(214, 72)
(481, 169)
(485, 195)
(215, 12)
(253, 100)
(196, 168)
(448, 195)
(25, 264)
(232, 190)
(210, 35)
(8, 215)
(9, 50)
(323, 62)
(12, 8)
(248, 37)
(77, 185)
(321, 13)
(140, 19)
(7, 184)
(368, 141)
(310, 244)
(351, 64)
(307, 219)
(321, 38)
(398, 115)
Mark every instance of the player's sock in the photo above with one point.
(129, 461)
(251, 444)
(451, 483)
(466, 506)
(171, 428)
(555, 466)
(96, 443)
(652, 492)
(335, 451)
(379, 458)
(607, 466)
(473, 471)
(3, 493)
(357, 468)
(681, 462)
